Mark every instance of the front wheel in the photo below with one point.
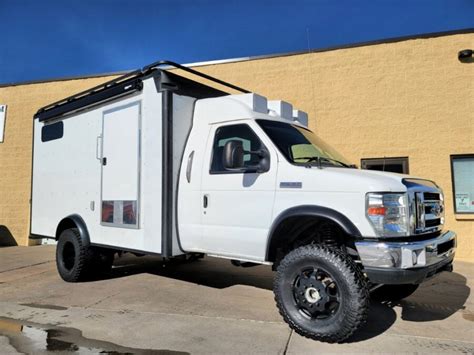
(321, 293)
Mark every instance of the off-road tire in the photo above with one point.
(393, 293)
(352, 309)
(73, 259)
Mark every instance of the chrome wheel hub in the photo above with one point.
(312, 295)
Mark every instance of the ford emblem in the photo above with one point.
(436, 210)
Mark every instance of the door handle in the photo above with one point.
(205, 201)
(104, 161)
(189, 167)
(98, 148)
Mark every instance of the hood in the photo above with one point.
(345, 180)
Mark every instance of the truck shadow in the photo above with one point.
(437, 299)
(210, 272)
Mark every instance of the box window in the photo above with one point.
(394, 165)
(119, 213)
(462, 173)
(53, 131)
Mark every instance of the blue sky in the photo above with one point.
(52, 38)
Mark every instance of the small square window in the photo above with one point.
(462, 172)
(394, 165)
(52, 131)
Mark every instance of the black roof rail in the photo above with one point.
(160, 63)
(123, 85)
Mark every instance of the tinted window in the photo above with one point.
(240, 132)
(52, 131)
(394, 165)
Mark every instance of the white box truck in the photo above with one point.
(154, 162)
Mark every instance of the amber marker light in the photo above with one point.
(376, 211)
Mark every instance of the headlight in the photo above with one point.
(388, 213)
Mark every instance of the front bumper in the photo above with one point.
(406, 262)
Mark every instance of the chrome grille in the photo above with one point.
(429, 209)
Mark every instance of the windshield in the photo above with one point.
(301, 146)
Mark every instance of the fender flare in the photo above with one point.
(315, 211)
(76, 221)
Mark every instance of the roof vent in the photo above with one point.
(282, 108)
(256, 102)
(300, 117)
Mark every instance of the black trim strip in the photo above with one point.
(167, 174)
(93, 96)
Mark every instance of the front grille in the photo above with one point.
(429, 210)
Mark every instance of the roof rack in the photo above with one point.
(123, 85)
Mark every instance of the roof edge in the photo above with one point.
(264, 56)
(334, 48)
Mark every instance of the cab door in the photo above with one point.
(237, 205)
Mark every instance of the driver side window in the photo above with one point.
(241, 132)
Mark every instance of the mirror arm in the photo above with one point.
(262, 154)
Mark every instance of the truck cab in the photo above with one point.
(157, 163)
(261, 171)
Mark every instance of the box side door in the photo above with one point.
(120, 185)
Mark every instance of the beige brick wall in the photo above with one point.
(411, 98)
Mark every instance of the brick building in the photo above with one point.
(404, 105)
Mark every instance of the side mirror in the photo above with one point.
(233, 157)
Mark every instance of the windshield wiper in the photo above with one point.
(336, 161)
(319, 159)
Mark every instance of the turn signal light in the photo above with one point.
(376, 211)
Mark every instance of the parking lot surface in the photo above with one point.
(208, 306)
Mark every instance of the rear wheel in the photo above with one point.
(72, 257)
(392, 293)
(321, 293)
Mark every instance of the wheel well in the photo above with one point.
(66, 223)
(74, 221)
(295, 231)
